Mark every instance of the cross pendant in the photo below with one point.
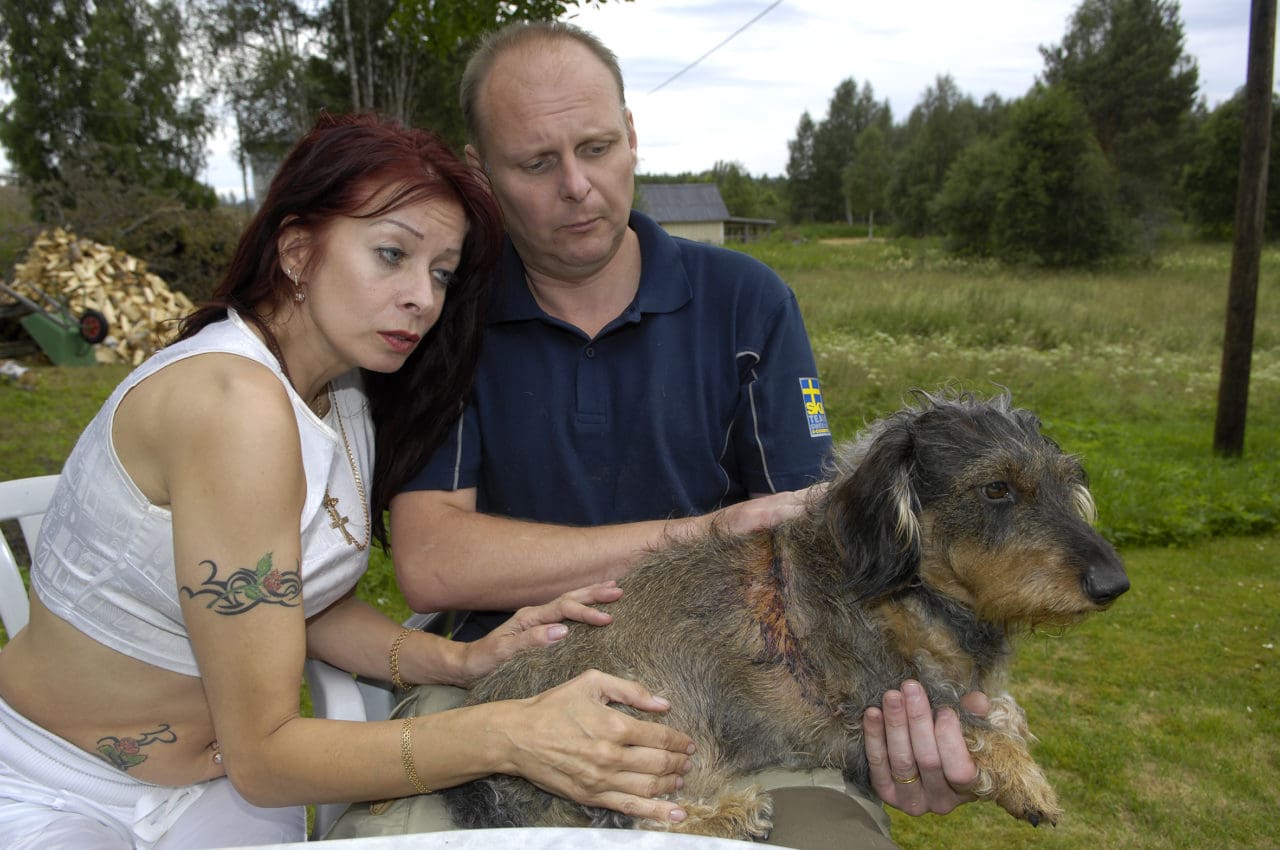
(337, 521)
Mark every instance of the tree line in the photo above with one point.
(1110, 149)
(113, 103)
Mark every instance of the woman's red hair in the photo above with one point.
(336, 170)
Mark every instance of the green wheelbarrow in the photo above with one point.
(65, 338)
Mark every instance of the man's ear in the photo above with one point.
(631, 135)
(473, 158)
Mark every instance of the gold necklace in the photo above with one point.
(330, 503)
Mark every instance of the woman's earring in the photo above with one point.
(298, 295)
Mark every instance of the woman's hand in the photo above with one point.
(538, 625)
(568, 742)
(919, 764)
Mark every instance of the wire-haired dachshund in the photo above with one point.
(946, 529)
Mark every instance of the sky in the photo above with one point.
(743, 101)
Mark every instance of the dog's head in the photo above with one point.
(969, 497)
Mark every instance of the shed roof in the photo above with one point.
(682, 202)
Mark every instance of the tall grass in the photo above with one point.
(906, 288)
(1122, 365)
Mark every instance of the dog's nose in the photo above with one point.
(1103, 584)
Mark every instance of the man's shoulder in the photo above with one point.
(722, 273)
(656, 244)
(706, 263)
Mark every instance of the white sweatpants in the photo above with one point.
(54, 795)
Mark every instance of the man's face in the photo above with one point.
(560, 151)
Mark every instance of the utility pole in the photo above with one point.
(1246, 253)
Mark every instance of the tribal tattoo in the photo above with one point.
(124, 753)
(246, 588)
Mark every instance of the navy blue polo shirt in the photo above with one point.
(703, 391)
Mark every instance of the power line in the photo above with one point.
(732, 36)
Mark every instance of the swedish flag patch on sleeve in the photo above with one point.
(814, 410)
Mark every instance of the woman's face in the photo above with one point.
(380, 283)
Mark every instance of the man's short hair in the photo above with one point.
(517, 34)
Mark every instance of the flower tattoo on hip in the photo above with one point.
(246, 589)
(124, 753)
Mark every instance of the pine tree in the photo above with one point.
(1124, 61)
(801, 188)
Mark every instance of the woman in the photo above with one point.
(213, 519)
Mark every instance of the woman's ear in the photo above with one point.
(293, 246)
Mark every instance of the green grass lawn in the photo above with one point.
(1158, 720)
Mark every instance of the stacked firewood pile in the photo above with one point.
(60, 268)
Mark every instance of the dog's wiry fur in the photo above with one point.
(947, 528)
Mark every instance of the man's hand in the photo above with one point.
(758, 512)
(919, 764)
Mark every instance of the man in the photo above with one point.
(633, 388)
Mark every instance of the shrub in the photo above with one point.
(188, 248)
(16, 227)
(186, 244)
(1042, 192)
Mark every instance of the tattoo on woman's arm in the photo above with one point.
(124, 753)
(246, 588)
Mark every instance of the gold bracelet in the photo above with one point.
(406, 757)
(399, 683)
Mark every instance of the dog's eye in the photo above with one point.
(996, 491)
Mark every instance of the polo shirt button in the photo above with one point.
(591, 352)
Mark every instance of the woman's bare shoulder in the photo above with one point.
(203, 412)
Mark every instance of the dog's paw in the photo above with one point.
(760, 825)
(1032, 799)
(1036, 815)
(1008, 775)
(742, 815)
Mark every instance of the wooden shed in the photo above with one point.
(695, 211)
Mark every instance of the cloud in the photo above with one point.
(744, 100)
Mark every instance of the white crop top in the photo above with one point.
(104, 557)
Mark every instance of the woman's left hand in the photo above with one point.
(537, 625)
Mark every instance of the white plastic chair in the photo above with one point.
(337, 695)
(23, 499)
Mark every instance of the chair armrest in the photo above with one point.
(338, 695)
(335, 694)
(429, 621)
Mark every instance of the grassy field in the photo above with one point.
(1158, 719)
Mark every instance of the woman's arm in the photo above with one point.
(234, 476)
(353, 636)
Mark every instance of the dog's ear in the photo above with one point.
(873, 513)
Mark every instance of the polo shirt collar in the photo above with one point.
(664, 285)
